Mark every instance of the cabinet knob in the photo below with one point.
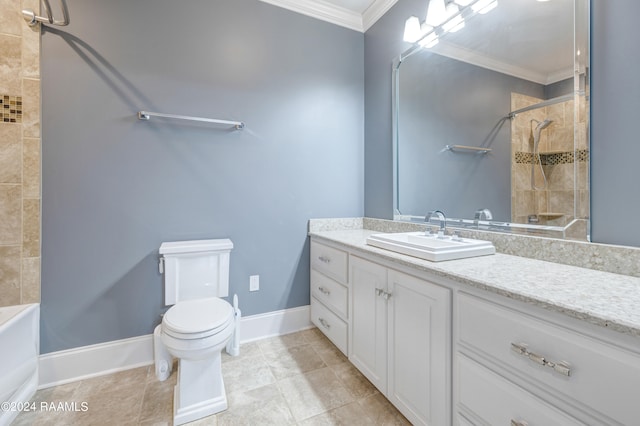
(381, 292)
(324, 259)
(324, 323)
(324, 291)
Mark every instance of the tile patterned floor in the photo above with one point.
(295, 379)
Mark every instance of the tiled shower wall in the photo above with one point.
(565, 161)
(19, 155)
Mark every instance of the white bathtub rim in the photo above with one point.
(15, 312)
(19, 328)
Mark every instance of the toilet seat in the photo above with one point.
(197, 318)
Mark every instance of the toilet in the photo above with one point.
(198, 325)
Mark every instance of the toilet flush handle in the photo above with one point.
(161, 265)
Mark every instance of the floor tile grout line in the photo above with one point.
(144, 394)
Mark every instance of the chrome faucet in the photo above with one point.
(443, 221)
(482, 212)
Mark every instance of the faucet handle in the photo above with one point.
(486, 212)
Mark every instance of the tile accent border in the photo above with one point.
(552, 159)
(81, 363)
(10, 109)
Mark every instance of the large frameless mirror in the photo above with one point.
(491, 111)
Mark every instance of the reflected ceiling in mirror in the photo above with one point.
(495, 116)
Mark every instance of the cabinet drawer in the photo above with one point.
(496, 401)
(329, 323)
(601, 376)
(330, 293)
(330, 261)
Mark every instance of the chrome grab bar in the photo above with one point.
(146, 115)
(463, 148)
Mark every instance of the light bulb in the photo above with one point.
(412, 32)
(436, 13)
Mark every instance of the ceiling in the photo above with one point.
(357, 15)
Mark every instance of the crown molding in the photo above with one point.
(474, 58)
(374, 12)
(337, 15)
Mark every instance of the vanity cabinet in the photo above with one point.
(400, 339)
(514, 365)
(446, 352)
(329, 293)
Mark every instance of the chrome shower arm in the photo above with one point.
(33, 19)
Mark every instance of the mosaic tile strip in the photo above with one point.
(10, 109)
(580, 156)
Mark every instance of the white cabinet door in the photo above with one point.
(419, 349)
(368, 333)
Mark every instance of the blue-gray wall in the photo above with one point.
(615, 102)
(114, 187)
(615, 96)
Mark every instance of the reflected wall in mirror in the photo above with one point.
(513, 82)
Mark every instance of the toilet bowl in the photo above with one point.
(197, 327)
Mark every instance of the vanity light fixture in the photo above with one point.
(443, 16)
(456, 22)
(429, 40)
(484, 6)
(436, 13)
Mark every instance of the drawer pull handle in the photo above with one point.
(324, 291)
(324, 323)
(324, 259)
(560, 367)
(381, 292)
(518, 423)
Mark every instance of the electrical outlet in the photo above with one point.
(254, 283)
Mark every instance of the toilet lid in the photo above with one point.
(198, 315)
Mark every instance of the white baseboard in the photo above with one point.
(276, 323)
(66, 366)
(70, 365)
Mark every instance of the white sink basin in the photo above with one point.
(430, 247)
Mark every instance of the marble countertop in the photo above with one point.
(601, 298)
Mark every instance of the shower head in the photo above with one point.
(543, 124)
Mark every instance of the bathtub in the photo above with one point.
(19, 350)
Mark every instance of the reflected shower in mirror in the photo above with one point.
(495, 116)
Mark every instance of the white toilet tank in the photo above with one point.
(195, 269)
